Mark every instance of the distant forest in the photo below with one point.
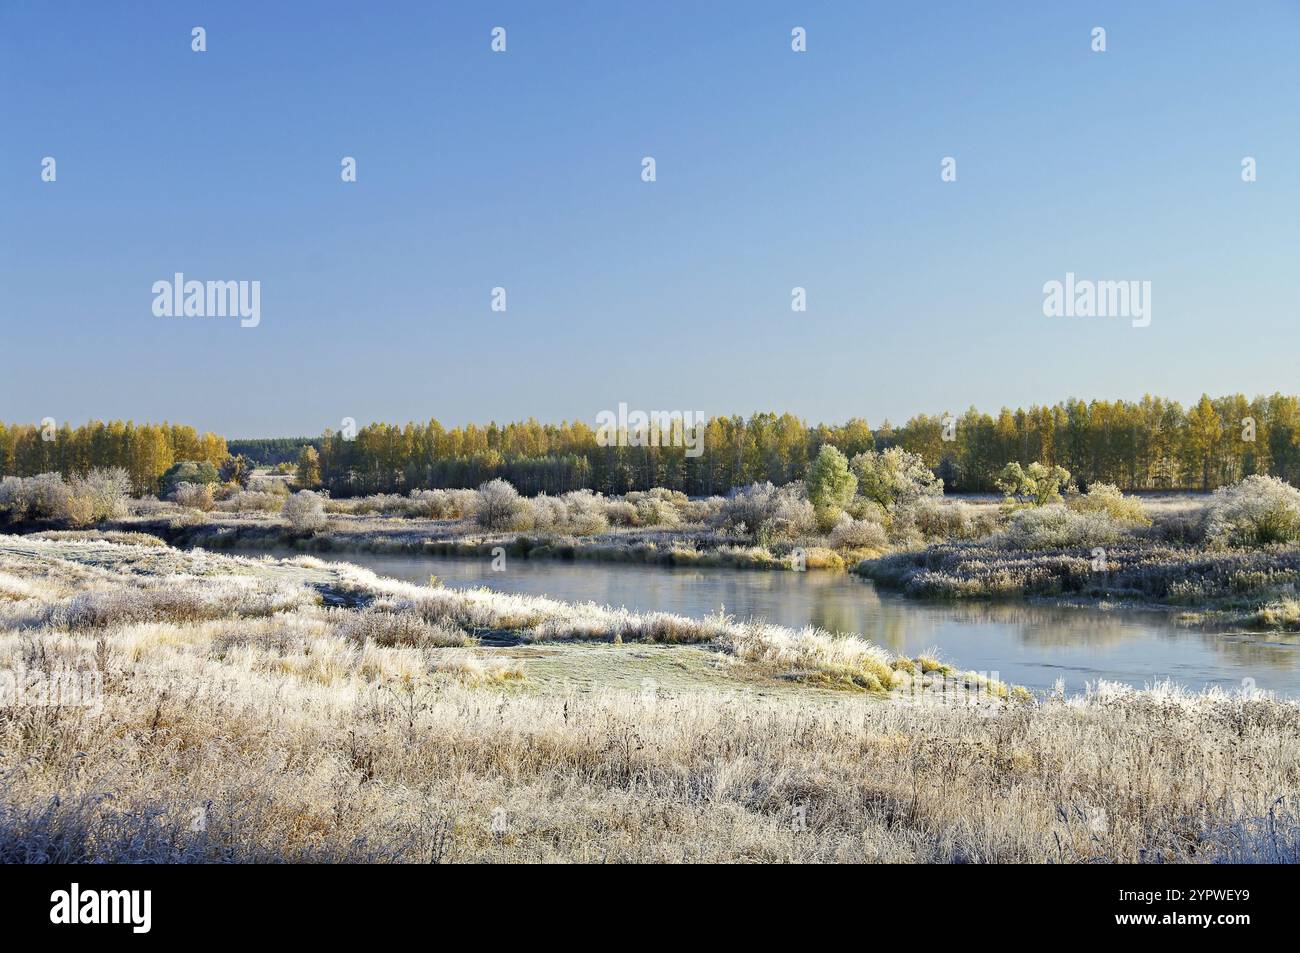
(1151, 444)
(270, 451)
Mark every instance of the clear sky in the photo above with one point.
(522, 169)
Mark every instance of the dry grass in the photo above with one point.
(239, 773)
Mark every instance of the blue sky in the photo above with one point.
(522, 170)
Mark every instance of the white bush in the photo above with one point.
(621, 513)
(765, 512)
(97, 496)
(106, 490)
(584, 513)
(657, 511)
(1107, 498)
(1255, 512)
(549, 513)
(305, 511)
(253, 501)
(949, 519)
(858, 534)
(194, 495)
(500, 507)
(1056, 527)
(443, 504)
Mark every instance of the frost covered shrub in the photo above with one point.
(621, 513)
(656, 511)
(858, 534)
(253, 501)
(443, 504)
(463, 502)
(384, 504)
(584, 513)
(1056, 527)
(1255, 512)
(99, 495)
(1106, 498)
(268, 485)
(499, 507)
(196, 496)
(305, 511)
(400, 627)
(955, 519)
(767, 512)
(13, 498)
(700, 511)
(43, 496)
(894, 477)
(549, 513)
(105, 492)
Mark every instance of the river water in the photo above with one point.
(1028, 645)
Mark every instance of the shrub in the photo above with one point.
(954, 519)
(263, 484)
(622, 513)
(498, 505)
(766, 512)
(584, 513)
(858, 534)
(1056, 527)
(305, 511)
(188, 471)
(443, 504)
(656, 511)
(1106, 498)
(253, 501)
(107, 490)
(99, 495)
(895, 477)
(400, 627)
(196, 496)
(1255, 512)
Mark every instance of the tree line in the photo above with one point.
(144, 451)
(1151, 444)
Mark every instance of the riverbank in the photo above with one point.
(1246, 589)
(1253, 589)
(681, 546)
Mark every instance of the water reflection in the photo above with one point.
(1032, 645)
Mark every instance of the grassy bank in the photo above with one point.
(687, 546)
(1252, 588)
(74, 588)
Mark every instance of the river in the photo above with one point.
(1029, 645)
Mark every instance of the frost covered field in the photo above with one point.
(189, 706)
